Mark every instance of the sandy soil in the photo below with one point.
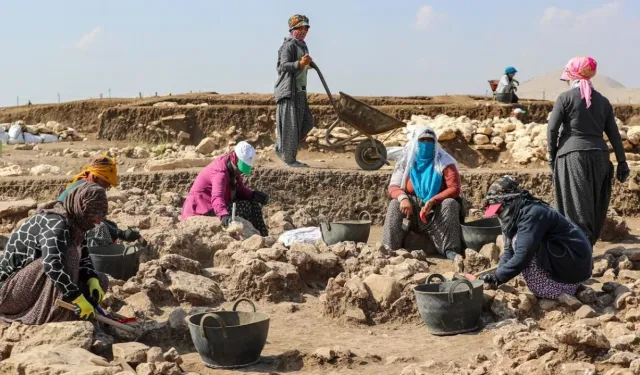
(385, 349)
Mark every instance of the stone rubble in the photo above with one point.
(196, 265)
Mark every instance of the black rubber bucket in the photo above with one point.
(229, 339)
(450, 307)
(476, 234)
(348, 230)
(117, 260)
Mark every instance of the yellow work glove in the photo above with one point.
(84, 309)
(95, 291)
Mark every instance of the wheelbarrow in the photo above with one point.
(370, 153)
(493, 83)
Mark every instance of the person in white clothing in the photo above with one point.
(507, 87)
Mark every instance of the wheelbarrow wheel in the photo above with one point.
(370, 157)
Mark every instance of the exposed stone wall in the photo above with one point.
(336, 194)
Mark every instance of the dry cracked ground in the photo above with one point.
(341, 309)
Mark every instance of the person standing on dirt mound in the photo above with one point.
(103, 171)
(552, 254)
(507, 86)
(425, 191)
(293, 117)
(578, 152)
(219, 185)
(47, 259)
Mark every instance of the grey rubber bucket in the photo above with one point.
(229, 339)
(347, 230)
(450, 307)
(478, 233)
(119, 261)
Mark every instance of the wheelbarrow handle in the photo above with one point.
(326, 87)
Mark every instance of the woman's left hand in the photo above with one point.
(95, 291)
(426, 209)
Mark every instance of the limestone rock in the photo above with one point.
(206, 146)
(628, 275)
(577, 368)
(585, 312)
(491, 251)
(324, 354)
(475, 262)
(179, 263)
(172, 355)
(195, 289)
(480, 139)
(253, 243)
(44, 169)
(308, 248)
(140, 302)
(384, 289)
(569, 301)
(581, 335)
(77, 334)
(14, 208)
(154, 354)
(53, 359)
(132, 352)
(548, 304)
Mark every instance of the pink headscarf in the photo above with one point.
(581, 68)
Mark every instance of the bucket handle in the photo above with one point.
(323, 220)
(434, 275)
(218, 319)
(455, 285)
(368, 215)
(235, 305)
(126, 250)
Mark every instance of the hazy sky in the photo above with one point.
(375, 47)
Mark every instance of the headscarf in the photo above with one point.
(425, 163)
(296, 22)
(506, 194)
(581, 69)
(81, 205)
(102, 167)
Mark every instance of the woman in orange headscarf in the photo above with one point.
(578, 152)
(103, 171)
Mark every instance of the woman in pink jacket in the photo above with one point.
(219, 185)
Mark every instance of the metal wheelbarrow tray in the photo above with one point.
(371, 154)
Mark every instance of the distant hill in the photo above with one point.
(551, 85)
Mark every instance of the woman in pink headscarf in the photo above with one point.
(578, 152)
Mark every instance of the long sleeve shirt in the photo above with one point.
(451, 186)
(574, 127)
(560, 248)
(213, 190)
(289, 69)
(505, 85)
(46, 237)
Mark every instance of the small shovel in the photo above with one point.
(100, 318)
(474, 276)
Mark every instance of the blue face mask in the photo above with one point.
(426, 150)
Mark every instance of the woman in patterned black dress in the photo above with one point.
(46, 259)
(552, 254)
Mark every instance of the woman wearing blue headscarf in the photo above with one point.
(425, 188)
(507, 87)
